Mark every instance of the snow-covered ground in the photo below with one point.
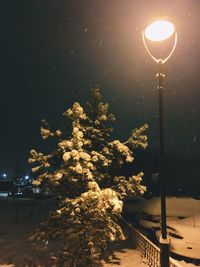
(176, 207)
(185, 264)
(19, 218)
(183, 222)
(6, 265)
(126, 258)
(16, 251)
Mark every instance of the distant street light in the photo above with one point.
(26, 177)
(158, 31)
(4, 175)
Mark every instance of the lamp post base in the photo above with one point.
(164, 252)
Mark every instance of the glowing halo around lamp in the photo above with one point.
(159, 30)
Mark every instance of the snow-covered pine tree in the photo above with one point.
(79, 172)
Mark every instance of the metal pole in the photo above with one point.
(164, 241)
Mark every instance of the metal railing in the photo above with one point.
(149, 251)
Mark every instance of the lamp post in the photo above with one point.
(158, 31)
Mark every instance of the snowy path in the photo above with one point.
(132, 258)
(4, 265)
(126, 258)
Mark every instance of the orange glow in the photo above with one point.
(159, 30)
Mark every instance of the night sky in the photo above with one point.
(52, 53)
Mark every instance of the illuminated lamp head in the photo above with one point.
(159, 30)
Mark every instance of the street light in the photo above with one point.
(159, 31)
(26, 177)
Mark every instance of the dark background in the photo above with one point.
(53, 52)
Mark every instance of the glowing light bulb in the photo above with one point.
(159, 30)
